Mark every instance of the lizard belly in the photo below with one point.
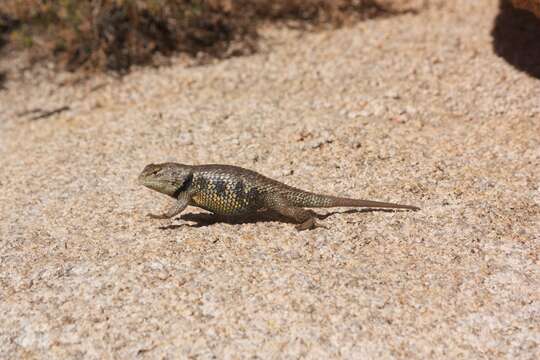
(224, 196)
(223, 204)
(216, 204)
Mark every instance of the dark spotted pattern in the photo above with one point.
(239, 188)
(229, 190)
(220, 185)
(223, 193)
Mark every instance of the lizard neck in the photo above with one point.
(186, 186)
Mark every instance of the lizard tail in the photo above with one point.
(337, 201)
(308, 199)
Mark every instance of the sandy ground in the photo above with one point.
(415, 109)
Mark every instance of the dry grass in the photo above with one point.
(115, 34)
(531, 5)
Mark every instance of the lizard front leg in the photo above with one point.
(180, 204)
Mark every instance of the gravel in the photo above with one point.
(415, 108)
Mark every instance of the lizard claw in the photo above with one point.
(309, 224)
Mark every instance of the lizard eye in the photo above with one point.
(153, 171)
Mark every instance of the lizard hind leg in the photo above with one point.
(304, 218)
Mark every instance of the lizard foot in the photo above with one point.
(309, 224)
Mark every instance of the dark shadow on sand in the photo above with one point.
(2, 80)
(207, 219)
(7, 24)
(516, 38)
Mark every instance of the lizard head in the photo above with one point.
(167, 178)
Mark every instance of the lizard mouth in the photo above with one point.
(149, 183)
(141, 180)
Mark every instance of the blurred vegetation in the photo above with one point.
(115, 34)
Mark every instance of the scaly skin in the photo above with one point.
(231, 190)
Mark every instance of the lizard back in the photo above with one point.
(232, 190)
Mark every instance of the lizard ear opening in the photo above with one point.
(185, 185)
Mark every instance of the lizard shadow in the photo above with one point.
(207, 219)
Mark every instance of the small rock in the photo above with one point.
(365, 113)
(185, 138)
(352, 114)
(410, 110)
(391, 94)
(378, 109)
(156, 266)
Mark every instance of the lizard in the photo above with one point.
(234, 191)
